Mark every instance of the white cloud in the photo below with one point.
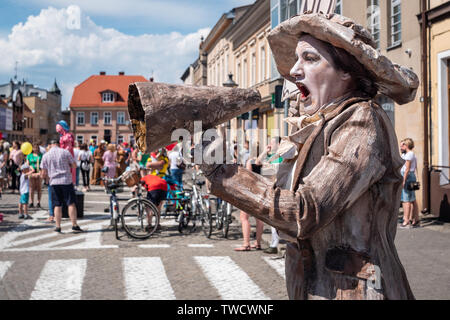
(48, 42)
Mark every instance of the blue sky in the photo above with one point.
(71, 40)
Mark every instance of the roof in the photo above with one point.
(88, 93)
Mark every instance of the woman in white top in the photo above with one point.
(409, 203)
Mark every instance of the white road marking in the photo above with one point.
(229, 279)
(60, 280)
(146, 279)
(92, 240)
(277, 264)
(200, 245)
(4, 266)
(28, 228)
(153, 246)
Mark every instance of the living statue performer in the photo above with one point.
(337, 192)
(66, 141)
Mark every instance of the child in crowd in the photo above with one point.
(24, 191)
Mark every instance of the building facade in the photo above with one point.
(43, 114)
(437, 65)
(99, 109)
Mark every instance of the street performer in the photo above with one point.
(336, 195)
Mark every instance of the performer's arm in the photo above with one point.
(354, 162)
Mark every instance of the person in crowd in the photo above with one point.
(26, 172)
(110, 161)
(92, 147)
(3, 168)
(122, 159)
(142, 158)
(76, 152)
(56, 165)
(127, 148)
(268, 170)
(16, 160)
(408, 198)
(245, 223)
(158, 163)
(51, 212)
(156, 191)
(85, 158)
(98, 163)
(34, 160)
(176, 165)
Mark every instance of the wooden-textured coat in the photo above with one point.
(340, 218)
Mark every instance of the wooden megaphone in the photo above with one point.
(157, 109)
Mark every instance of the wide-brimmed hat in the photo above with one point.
(395, 81)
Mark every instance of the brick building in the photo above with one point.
(99, 108)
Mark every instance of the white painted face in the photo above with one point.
(315, 76)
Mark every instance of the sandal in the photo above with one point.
(256, 246)
(243, 249)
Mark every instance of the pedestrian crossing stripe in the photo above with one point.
(278, 265)
(145, 279)
(229, 279)
(60, 280)
(4, 266)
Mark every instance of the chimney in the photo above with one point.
(121, 73)
(102, 73)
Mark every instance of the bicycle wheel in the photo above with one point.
(184, 220)
(140, 218)
(116, 228)
(206, 219)
(226, 218)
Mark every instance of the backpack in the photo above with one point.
(85, 165)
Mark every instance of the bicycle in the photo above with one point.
(201, 205)
(178, 205)
(223, 216)
(139, 218)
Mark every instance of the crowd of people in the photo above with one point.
(27, 175)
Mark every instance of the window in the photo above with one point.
(120, 117)
(107, 118)
(94, 118)
(338, 9)
(388, 106)
(293, 9)
(253, 73)
(238, 74)
(120, 139)
(108, 97)
(396, 23)
(373, 20)
(80, 140)
(262, 61)
(244, 74)
(227, 57)
(80, 118)
(131, 140)
(274, 13)
(94, 139)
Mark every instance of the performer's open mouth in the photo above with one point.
(305, 93)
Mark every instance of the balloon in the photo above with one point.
(26, 148)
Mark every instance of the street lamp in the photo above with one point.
(230, 84)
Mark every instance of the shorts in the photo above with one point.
(24, 197)
(409, 195)
(156, 196)
(63, 195)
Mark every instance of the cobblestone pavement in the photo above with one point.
(37, 263)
